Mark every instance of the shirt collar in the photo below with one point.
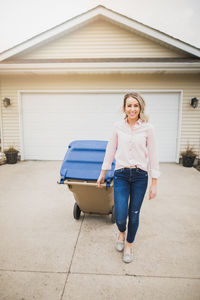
(137, 123)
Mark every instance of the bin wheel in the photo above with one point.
(76, 211)
(113, 215)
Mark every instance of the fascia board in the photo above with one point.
(152, 33)
(100, 67)
(47, 35)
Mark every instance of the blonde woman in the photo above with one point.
(133, 144)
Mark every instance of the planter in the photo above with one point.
(188, 161)
(11, 157)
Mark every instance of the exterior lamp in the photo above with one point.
(194, 102)
(6, 102)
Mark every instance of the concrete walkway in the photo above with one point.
(46, 254)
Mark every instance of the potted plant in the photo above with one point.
(11, 155)
(188, 156)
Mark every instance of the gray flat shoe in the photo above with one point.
(128, 257)
(119, 245)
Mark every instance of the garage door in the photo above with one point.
(50, 121)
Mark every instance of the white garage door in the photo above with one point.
(50, 121)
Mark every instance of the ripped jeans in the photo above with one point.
(129, 182)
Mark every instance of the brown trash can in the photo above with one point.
(91, 199)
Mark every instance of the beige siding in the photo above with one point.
(100, 39)
(190, 84)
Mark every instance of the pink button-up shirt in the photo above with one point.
(136, 146)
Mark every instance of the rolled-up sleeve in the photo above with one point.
(153, 162)
(110, 150)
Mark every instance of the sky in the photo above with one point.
(23, 19)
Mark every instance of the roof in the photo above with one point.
(89, 16)
(190, 64)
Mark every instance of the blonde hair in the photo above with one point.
(139, 98)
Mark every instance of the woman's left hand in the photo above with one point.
(152, 191)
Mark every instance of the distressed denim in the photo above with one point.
(129, 183)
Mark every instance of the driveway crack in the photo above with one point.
(69, 271)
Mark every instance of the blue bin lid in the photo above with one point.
(84, 159)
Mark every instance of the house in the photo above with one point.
(68, 83)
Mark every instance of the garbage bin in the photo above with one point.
(80, 170)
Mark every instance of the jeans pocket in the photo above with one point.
(118, 171)
(142, 172)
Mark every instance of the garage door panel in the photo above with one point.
(50, 121)
(163, 109)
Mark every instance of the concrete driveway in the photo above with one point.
(46, 254)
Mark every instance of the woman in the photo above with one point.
(133, 141)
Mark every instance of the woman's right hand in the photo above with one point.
(101, 178)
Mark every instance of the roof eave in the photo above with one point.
(86, 68)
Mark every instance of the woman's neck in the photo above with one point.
(132, 122)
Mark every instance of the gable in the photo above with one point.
(100, 39)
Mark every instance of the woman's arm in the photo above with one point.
(110, 150)
(109, 156)
(153, 189)
(153, 161)
(101, 178)
(154, 181)
(153, 164)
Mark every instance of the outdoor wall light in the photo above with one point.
(194, 102)
(6, 102)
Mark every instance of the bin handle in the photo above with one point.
(84, 183)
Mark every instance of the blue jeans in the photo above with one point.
(129, 182)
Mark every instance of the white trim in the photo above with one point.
(21, 136)
(50, 34)
(117, 91)
(124, 67)
(89, 16)
(104, 91)
(180, 116)
(152, 33)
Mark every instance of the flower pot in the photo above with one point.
(188, 161)
(11, 157)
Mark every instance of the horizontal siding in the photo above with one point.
(190, 84)
(100, 39)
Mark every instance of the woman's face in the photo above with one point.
(132, 108)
